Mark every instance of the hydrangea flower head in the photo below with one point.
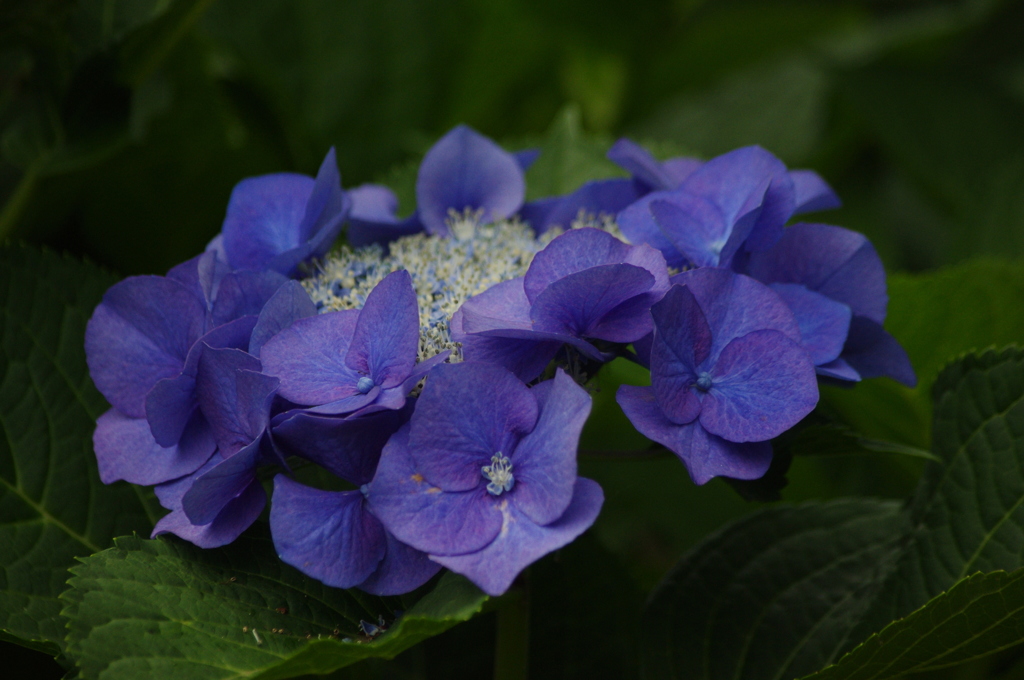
(483, 478)
(727, 374)
(279, 221)
(585, 286)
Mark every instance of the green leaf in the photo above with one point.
(53, 506)
(821, 437)
(981, 614)
(166, 609)
(968, 511)
(770, 594)
(784, 592)
(568, 158)
(936, 317)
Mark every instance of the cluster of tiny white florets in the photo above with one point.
(445, 271)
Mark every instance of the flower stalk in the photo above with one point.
(511, 655)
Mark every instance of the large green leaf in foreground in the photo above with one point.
(981, 614)
(53, 506)
(785, 592)
(166, 609)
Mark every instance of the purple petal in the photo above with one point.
(125, 449)
(526, 157)
(309, 359)
(215, 487)
(234, 396)
(421, 369)
(374, 202)
(682, 342)
(599, 197)
(764, 383)
(216, 248)
(422, 515)
(348, 447)
(328, 535)
(735, 305)
(872, 352)
(694, 226)
(839, 370)
(363, 232)
(570, 253)
(812, 193)
(463, 170)
(738, 181)
(503, 305)
(466, 413)
(538, 213)
(522, 542)
(244, 293)
(753, 190)
(777, 207)
(202, 274)
(642, 347)
(838, 263)
(679, 168)
(544, 463)
(327, 208)
(485, 324)
(237, 516)
(402, 570)
(639, 162)
(172, 401)
(527, 359)
(263, 218)
(704, 454)
(824, 323)
(386, 337)
(638, 225)
(290, 303)
(347, 405)
(140, 334)
(170, 405)
(580, 304)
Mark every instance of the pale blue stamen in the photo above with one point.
(499, 472)
(704, 381)
(364, 385)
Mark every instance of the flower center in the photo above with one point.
(704, 382)
(445, 271)
(463, 225)
(499, 472)
(364, 385)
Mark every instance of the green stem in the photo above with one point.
(511, 658)
(19, 199)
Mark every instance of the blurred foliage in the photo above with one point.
(125, 123)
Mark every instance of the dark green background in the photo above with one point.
(124, 125)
